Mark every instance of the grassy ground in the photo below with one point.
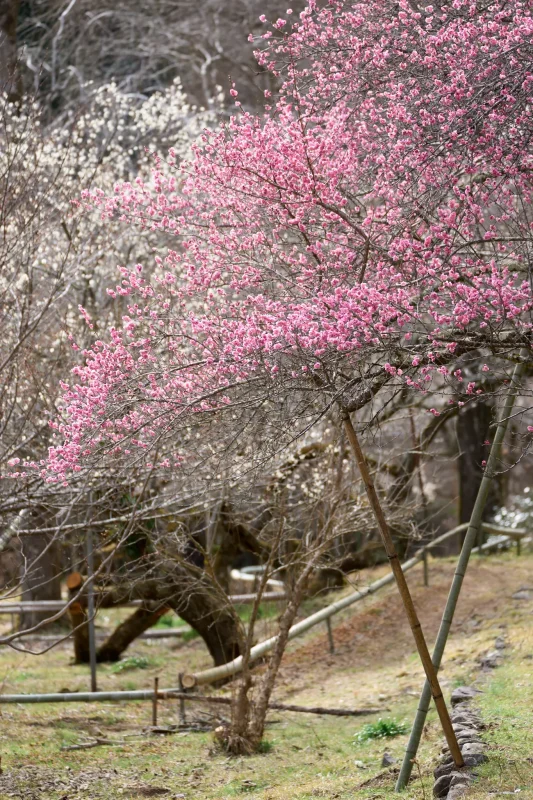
(305, 756)
(506, 705)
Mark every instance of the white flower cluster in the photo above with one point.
(53, 257)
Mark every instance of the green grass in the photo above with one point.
(190, 635)
(506, 706)
(131, 662)
(382, 729)
(304, 757)
(170, 621)
(265, 611)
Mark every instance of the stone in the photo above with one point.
(499, 644)
(473, 747)
(457, 791)
(464, 732)
(491, 660)
(462, 694)
(525, 593)
(387, 760)
(462, 710)
(359, 764)
(460, 779)
(441, 786)
(466, 720)
(443, 769)
(474, 759)
(462, 740)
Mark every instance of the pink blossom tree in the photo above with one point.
(369, 230)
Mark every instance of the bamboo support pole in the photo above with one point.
(474, 527)
(165, 694)
(405, 594)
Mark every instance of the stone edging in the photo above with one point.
(450, 781)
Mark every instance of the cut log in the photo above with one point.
(74, 581)
(187, 681)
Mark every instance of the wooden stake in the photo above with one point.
(405, 594)
(184, 684)
(330, 636)
(154, 702)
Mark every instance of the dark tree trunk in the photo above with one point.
(217, 624)
(127, 632)
(41, 570)
(473, 430)
(191, 596)
(9, 75)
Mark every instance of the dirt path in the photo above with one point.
(379, 635)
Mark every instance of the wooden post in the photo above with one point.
(80, 630)
(78, 620)
(90, 608)
(518, 547)
(330, 636)
(426, 568)
(405, 594)
(154, 703)
(184, 683)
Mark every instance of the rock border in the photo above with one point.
(452, 782)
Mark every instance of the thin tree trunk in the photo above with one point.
(473, 430)
(41, 573)
(238, 740)
(404, 593)
(260, 707)
(462, 564)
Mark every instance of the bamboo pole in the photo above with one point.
(405, 594)
(462, 564)
(165, 694)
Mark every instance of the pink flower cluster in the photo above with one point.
(377, 214)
